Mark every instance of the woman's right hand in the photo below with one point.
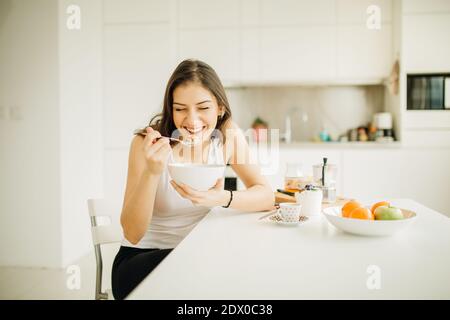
(156, 151)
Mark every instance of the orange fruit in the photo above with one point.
(361, 213)
(379, 204)
(349, 206)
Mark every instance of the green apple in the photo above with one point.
(388, 213)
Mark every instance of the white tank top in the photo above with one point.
(174, 216)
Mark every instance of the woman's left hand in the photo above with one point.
(216, 196)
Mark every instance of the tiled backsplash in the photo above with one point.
(335, 108)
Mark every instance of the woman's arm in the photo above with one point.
(145, 164)
(259, 195)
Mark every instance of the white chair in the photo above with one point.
(102, 234)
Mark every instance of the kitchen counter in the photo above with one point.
(234, 255)
(342, 145)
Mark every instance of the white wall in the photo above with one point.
(51, 144)
(30, 219)
(81, 124)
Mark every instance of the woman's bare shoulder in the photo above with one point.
(136, 158)
(136, 145)
(138, 139)
(230, 124)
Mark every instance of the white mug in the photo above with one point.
(290, 212)
(311, 202)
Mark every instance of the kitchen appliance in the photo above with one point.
(383, 124)
(286, 137)
(325, 176)
(428, 91)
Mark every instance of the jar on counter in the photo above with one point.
(293, 177)
(353, 135)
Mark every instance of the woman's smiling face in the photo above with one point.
(195, 111)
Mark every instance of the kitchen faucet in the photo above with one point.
(287, 135)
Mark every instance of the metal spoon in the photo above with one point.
(188, 143)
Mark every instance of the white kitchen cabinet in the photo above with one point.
(208, 13)
(429, 6)
(363, 53)
(355, 11)
(426, 138)
(215, 32)
(137, 67)
(426, 119)
(425, 42)
(250, 13)
(295, 12)
(136, 11)
(250, 55)
(287, 41)
(297, 53)
(425, 49)
(217, 47)
(326, 41)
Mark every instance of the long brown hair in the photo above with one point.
(195, 71)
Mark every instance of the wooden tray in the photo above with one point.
(281, 197)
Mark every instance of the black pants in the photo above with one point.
(131, 266)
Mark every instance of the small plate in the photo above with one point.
(288, 223)
(277, 218)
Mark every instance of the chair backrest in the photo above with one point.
(102, 234)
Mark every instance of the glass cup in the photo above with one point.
(293, 177)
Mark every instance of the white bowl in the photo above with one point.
(368, 227)
(200, 177)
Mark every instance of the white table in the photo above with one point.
(233, 255)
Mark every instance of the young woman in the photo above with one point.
(157, 213)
